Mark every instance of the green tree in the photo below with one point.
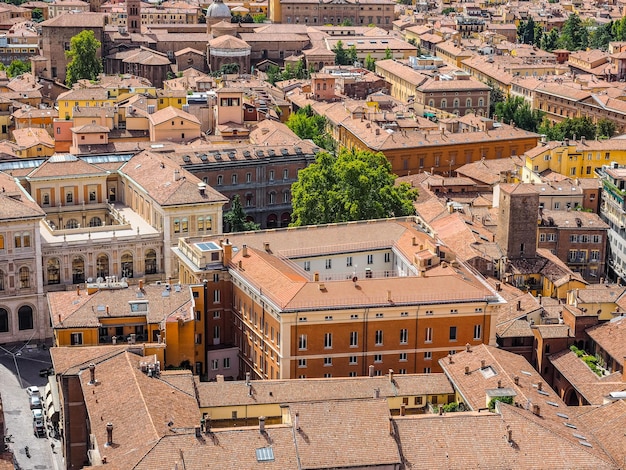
(233, 67)
(37, 15)
(517, 110)
(446, 11)
(259, 18)
(574, 35)
(16, 68)
(605, 128)
(236, 217)
(354, 185)
(495, 96)
(341, 55)
(388, 54)
(273, 74)
(550, 41)
(568, 129)
(492, 403)
(84, 62)
(352, 57)
(346, 22)
(307, 125)
(370, 63)
(601, 36)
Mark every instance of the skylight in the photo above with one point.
(265, 454)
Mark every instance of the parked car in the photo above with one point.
(46, 372)
(33, 391)
(35, 402)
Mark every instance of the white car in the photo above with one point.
(35, 402)
(32, 391)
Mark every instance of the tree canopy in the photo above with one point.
(344, 56)
(16, 68)
(354, 185)
(83, 55)
(574, 35)
(308, 125)
(577, 127)
(517, 110)
(236, 217)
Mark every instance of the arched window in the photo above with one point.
(72, 223)
(95, 222)
(46, 199)
(481, 102)
(431, 103)
(468, 103)
(456, 111)
(272, 198)
(24, 276)
(127, 265)
(176, 225)
(25, 317)
(78, 270)
(69, 198)
(200, 224)
(4, 321)
(1, 280)
(54, 270)
(456, 103)
(184, 225)
(151, 262)
(1, 242)
(102, 265)
(444, 103)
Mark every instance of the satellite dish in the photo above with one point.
(89, 279)
(99, 280)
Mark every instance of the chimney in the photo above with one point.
(376, 393)
(316, 277)
(262, 424)
(92, 373)
(482, 364)
(219, 378)
(414, 241)
(247, 378)
(519, 305)
(467, 370)
(371, 371)
(390, 426)
(536, 410)
(402, 409)
(244, 250)
(266, 246)
(176, 175)
(377, 131)
(107, 309)
(516, 380)
(391, 375)
(201, 188)
(240, 265)
(60, 321)
(440, 410)
(509, 435)
(198, 432)
(227, 248)
(140, 284)
(468, 347)
(498, 287)
(450, 361)
(539, 385)
(109, 442)
(388, 296)
(499, 383)
(78, 290)
(297, 421)
(539, 297)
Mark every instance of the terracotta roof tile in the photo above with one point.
(611, 337)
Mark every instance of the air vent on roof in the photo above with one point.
(561, 415)
(165, 293)
(551, 403)
(265, 454)
(569, 425)
(578, 436)
(298, 150)
(259, 153)
(585, 443)
(203, 157)
(285, 152)
(543, 392)
(100, 308)
(271, 153)
(176, 287)
(246, 154)
(526, 373)
(186, 158)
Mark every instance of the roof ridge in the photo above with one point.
(143, 399)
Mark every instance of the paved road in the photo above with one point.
(17, 414)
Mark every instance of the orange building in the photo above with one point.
(350, 299)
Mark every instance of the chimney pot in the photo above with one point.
(198, 431)
(109, 434)
(297, 421)
(440, 410)
(247, 378)
(509, 435)
(482, 364)
(468, 347)
(499, 383)
(402, 409)
(78, 289)
(539, 385)
(316, 277)
(376, 393)
(450, 361)
(140, 283)
(371, 370)
(536, 410)
(107, 309)
(516, 380)
(262, 424)
(92, 373)
(244, 250)
(519, 305)
(390, 375)
(467, 370)
(390, 426)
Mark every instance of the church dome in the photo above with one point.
(218, 9)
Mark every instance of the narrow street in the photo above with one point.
(17, 413)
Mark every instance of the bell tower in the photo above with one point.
(133, 16)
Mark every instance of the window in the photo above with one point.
(403, 357)
(378, 358)
(92, 196)
(301, 363)
(387, 257)
(354, 316)
(46, 199)
(285, 174)
(95, 222)
(215, 364)
(354, 339)
(404, 336)
(198, 338)
(328, 340)
(271, 175)
(216, 332)
(24, 277)
(22, 240)
(233, 179)
(69, 198)
(429, 335)
(379, 338)
(426, 370)
(349, 261)
(25, 318)
(302, 342)
(184, 225)
(307, 265)
(597, 238)
(379, 315)
(226, 363)
(454, 310)
(4, 321)
(220, 180)
(353, 360)
(76, 339)
(542, 237)
(428, 356)
(176, 225)
(150, 262)
(329, 263)
(216, 296)
(328, 361)
(370, 259)
(595, 255)
(453, 333)
(417, 401)
(478, 332)
(54, 269)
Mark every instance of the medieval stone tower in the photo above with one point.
(518, 209)
(133, 16)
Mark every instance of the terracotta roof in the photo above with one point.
(16, 203)
(155, 174)
(611, 337)
(607, 424)
(63, 165)
(69, 20)
(229, 393)
(165, 114)
(488, 171)
(343, 434)
(32, 136)
(228, 42)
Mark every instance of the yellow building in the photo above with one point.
(169, 316)
(601, 299)
(572, 158)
